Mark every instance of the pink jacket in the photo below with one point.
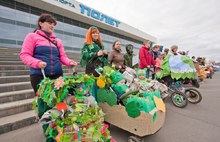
(36, 48)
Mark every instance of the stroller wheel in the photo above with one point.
(193, 95)
(179, 99)
(135, 139)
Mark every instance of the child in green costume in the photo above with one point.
(119, 85)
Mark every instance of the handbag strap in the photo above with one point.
(53, 42)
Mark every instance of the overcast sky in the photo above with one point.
(193, 25)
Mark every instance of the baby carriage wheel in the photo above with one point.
(193, 95)
(179, 99)
(135, 139)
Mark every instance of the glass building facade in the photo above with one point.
(18, 19)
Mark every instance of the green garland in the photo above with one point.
(80, 120)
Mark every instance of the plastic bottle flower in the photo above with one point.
(101, 82)
(104, 128)
(59, 83)
(61, 106)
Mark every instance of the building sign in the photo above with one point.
(99, 16)
(66, 2)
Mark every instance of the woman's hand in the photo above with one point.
(42, 64)
(104, 52)
(100, 53)
(73, 63)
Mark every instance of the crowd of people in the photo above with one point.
(43, 50)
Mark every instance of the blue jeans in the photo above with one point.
(147, 73)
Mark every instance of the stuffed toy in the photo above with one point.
(141, 82)
(119, 85)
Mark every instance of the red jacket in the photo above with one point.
(146, 58)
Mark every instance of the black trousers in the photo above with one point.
(36, 79)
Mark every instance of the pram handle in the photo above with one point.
(43, 72)
(128, 93)
(44, 76)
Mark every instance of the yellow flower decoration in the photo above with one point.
(101, 82)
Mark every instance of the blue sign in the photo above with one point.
(66, 2)
(99, 16)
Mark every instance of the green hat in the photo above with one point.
(116, 77)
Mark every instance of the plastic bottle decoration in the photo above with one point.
(59, 83)
(61, 106)
(101, 81)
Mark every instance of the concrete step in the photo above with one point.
(10, 67)
(22, 72)
(18, 62)
(11, 63)
(16, 95)
(14, 72)
(18, 50)
(12, 79)
(16, 121)
(14, 86)
(9, 49)
(21, 78)
(11, 108)
(13, 53)
(24, 67)
(18, 67)
(15, 58)
(16, 55)
(4, 53)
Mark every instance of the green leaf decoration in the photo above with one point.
(55, 115)
(66, 138)
(34, 104)
(157, 93)
(104, 95)
(132, 109)
(154, 117)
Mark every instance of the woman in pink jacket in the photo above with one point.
(43, 50)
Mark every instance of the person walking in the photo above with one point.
(146, 57)
(93, 54)
(128, 57)
(116, 57)
(43, 50)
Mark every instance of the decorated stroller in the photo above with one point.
(73, 114)
(176, 68)
(138, 112)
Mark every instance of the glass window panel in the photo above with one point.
(60, 36)
(22, 16)
(23, 31)
(4, 30)
(8, 3)
(33, 19)
(7, 12)
(67, 40)
(67, 27)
